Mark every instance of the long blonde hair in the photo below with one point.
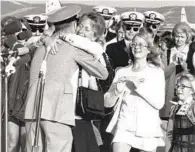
(153, 56)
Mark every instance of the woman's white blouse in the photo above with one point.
(183, 54)
(139, 110)
(129, 106)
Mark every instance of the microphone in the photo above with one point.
(13, 28)
(19, 49)
(48, 49)
(24, 35)
(43, 68)
(9, 41)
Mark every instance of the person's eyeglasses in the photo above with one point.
(130, 27)
(153, 26)
(182, 86)
(139, 45)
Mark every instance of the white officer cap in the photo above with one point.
(105, 11)
(153, 17)
(132, 18)
(37, 20)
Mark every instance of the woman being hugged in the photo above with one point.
(181, 125)
(137, 94)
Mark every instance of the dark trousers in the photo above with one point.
(84, 138)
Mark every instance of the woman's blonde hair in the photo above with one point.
(184, 28)
(148, 35)
(187, 76)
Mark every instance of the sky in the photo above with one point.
(124, 3)
(141, 3)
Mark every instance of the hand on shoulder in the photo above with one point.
(50, 44)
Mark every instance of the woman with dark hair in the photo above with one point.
(137, 94)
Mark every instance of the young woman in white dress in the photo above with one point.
(137, 94)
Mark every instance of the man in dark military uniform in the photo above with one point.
(119, 52)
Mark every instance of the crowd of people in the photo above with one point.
(147, 77)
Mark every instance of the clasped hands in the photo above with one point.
(127, 84)
(180, 60)
(51, 42)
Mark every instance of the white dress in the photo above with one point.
(127, 120)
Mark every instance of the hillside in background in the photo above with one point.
(7, 7)
(20, 9)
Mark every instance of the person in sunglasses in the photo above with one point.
(119, 51)
(37, 23)
(108, 14)
(153, 20)
(181, 125)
